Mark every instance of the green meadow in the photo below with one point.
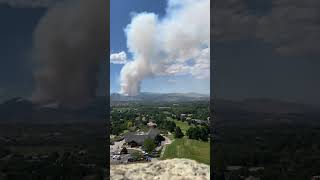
(188, 148)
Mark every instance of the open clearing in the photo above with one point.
(190, 149)
(184, 126)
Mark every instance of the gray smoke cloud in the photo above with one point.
(176, 44)
(69, 42)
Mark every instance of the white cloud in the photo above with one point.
(177, 69)
(118, 58)
(200, 68)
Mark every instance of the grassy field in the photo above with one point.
(184, 126)
(190, 149)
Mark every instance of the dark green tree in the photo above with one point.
(149, 145)
(178, 133)
(158, 139)
(124, 151)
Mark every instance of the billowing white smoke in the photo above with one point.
(178, 43)
(141, 34)
(69, 42)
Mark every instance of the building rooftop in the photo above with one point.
(140, 138)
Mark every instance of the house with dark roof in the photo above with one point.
(135, 139)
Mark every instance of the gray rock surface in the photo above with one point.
(173, 169)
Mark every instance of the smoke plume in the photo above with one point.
(69, 42)
(175, 44)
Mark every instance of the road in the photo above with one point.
(164, 143)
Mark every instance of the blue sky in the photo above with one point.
(121, 15)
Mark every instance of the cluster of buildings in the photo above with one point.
(188, 117)
(134, 139)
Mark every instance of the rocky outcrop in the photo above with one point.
(173, 169)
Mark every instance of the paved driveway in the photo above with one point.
(123, 159)
(164, 143)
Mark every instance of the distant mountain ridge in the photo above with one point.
(160, 97)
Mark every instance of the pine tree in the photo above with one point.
(178, 133)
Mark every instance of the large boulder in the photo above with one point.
(173, 169)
